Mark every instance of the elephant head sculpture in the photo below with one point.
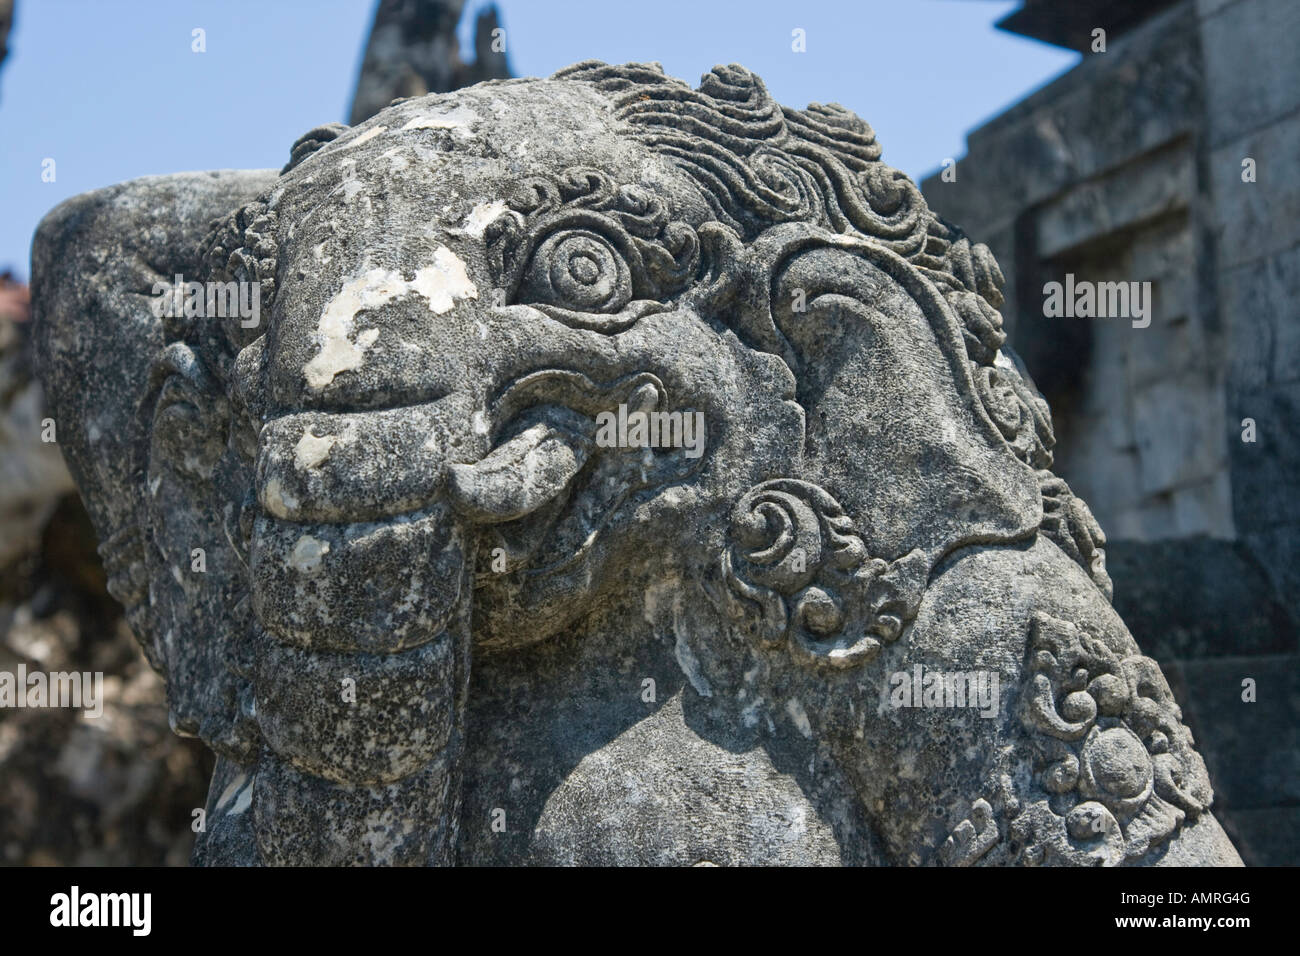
(599, 469)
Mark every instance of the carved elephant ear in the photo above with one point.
(99, 262)
(871, 338)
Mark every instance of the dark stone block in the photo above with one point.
(1252, 750)
(1198, 597)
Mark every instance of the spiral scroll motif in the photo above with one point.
(795, 573)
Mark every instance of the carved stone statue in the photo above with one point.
(600, 470)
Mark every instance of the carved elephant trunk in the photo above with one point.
(360, 588)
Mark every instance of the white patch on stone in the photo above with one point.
(458, 120)
(397, 161)
(686, 659)
(797, 825)
(308, 554)
(311, 451)
(230, 791)
(279, 503)
(338, 353)
(367, 136)
(799, 716)
(444, 282)
(441, 283)
(906, 766)
(676, 497)
(479, 218)
(242, 802)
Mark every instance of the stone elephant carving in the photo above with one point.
(599, 470)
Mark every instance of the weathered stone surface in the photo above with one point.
(112, 787)
(1241, 98)
(1265, 469)
(1151, 187)
(453, 607)
(1260, 297)
(1260, 218)
(1177, 449)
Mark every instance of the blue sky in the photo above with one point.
(112, 90)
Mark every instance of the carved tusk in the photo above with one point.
(520, 476)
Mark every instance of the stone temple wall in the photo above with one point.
(1130, 168)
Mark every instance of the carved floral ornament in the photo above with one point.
(1109, 750)
(795, 572)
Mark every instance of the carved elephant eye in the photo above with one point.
(577, 269)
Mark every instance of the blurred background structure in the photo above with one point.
(1127, 168)
(413, 50)
(119, 790)
(6, 22)
(1133, 167)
